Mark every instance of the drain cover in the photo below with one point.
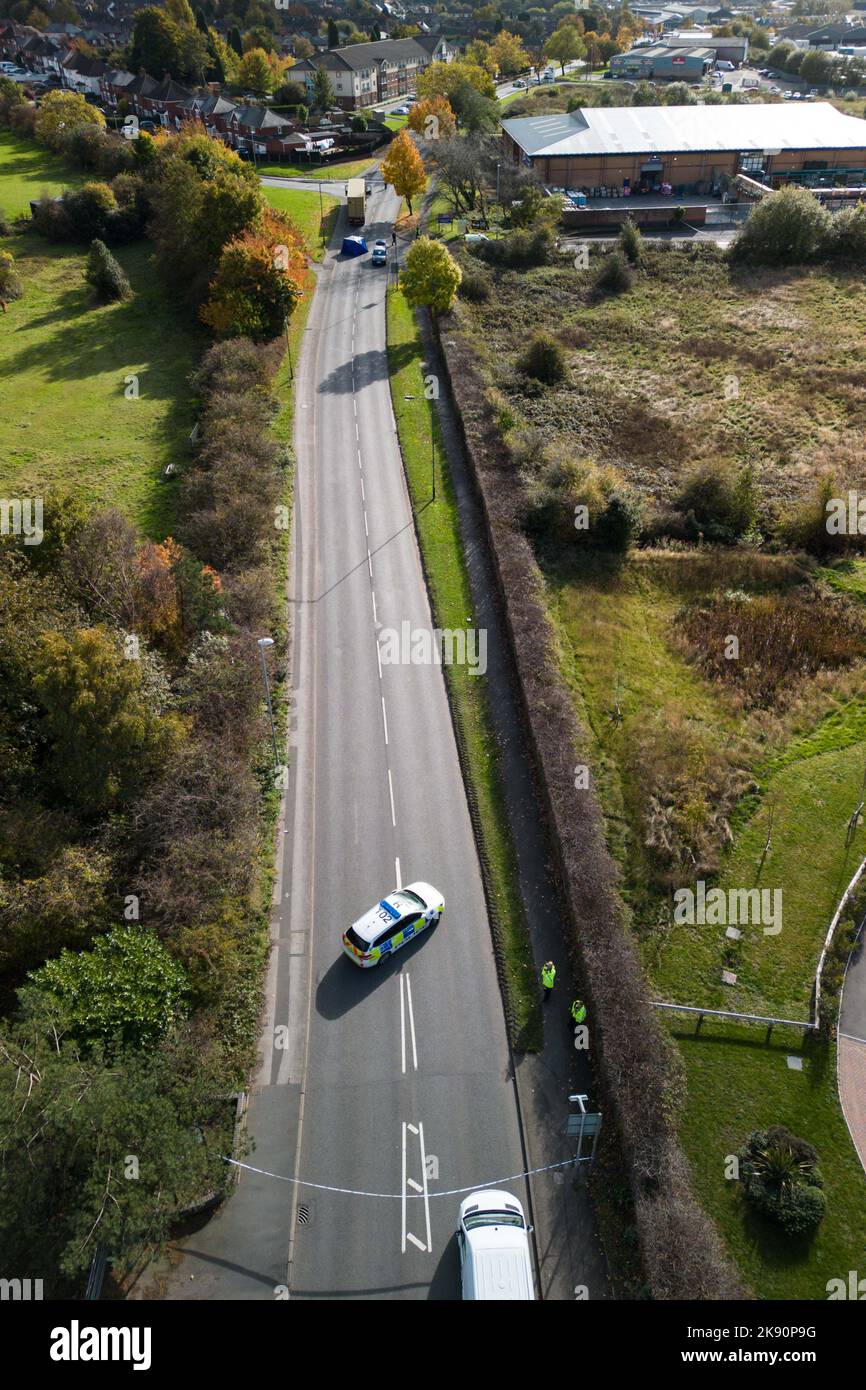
(303, 1214)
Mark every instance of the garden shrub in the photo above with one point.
(614, 275)
(781, 1179)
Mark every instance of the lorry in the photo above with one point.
(356, 197)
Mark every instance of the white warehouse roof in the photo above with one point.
(597, 130)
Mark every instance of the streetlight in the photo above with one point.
(269, 642)
(432, 446)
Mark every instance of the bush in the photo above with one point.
(359, 124)
(781, 1179)
(785, 228)
(631, 242)
(475, 285)
(620, 522)
(718, 504)
(105, 275)
(846, 236)
(806, 526)
(614, 275)
(521, 249)
(10, 284)
(543, 359)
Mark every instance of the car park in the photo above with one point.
(493, 1244)
(393, 922)
(380, 253)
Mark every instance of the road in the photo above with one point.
(395, 1080)
(407, 1065)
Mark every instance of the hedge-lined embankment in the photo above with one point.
(635, 1065)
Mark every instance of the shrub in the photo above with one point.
(359, 124)
(521, 249)
(620, 522)
(475, 285)
(89, 210)
(846, 236)
(105, 275)
(51, 218)
(781, 1179)
(10, 283)
(614, 275)
(806, 526)
(717, 503)
(785, 228)
(631, 242)
(544, 360)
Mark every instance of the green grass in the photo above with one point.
(737, 1083)
(66, 361)
(351, 169)
(439, 534)
(27, 171)
(305, 208)
(396, 122)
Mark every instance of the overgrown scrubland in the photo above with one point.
(673, 435)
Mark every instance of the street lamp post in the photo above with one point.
(263, 643)
(432, 447)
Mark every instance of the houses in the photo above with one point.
(364, 74)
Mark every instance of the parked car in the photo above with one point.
(519, 82)
(380, 253)
(775, 91)
(400, 111)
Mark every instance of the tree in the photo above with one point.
(254, 72)
(126, 989)
(565, 45)
(105, 274)
(235, 41)
(302, 48)
(816, 67)
(508, 53)
(403, 167)
(433, 119)
(157, 44)
(480, 54)
(10, 95)
(464, 167)
(333, 34)
(66, 1139)
(430, 275)
(323, 92)
(62, 112)
(443, 79)
(104, 739)
(259, 281)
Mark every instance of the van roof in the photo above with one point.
(502, 1270)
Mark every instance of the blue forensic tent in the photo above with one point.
(354, 246)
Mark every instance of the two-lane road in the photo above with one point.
(406, 1083)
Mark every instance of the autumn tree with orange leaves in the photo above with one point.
(259, 280)
(433, 119)
(403, 167)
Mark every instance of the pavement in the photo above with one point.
(397, 1080)
(851, 1049)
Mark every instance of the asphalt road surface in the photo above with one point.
(406, 1084)
(394, 1080)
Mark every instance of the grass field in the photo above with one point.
(27, 171)
(450, 595)
(67, 361)
(314, 213)
(351, 169)
(645, 391)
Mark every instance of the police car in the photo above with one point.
(392, 923)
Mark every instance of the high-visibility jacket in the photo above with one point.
(548, 976)
(578, 1011)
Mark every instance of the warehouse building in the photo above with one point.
(661, 61)
(690, 149)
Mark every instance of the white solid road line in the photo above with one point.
(412, 1022)
(385, 720)
(403, 1197)
(418, 1189)
(398, 879)
(406, 1008)
(426, 1194)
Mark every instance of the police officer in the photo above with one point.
(548, 978)
(578, 1011)
(393, 238)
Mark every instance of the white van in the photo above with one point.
(493, 1239)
